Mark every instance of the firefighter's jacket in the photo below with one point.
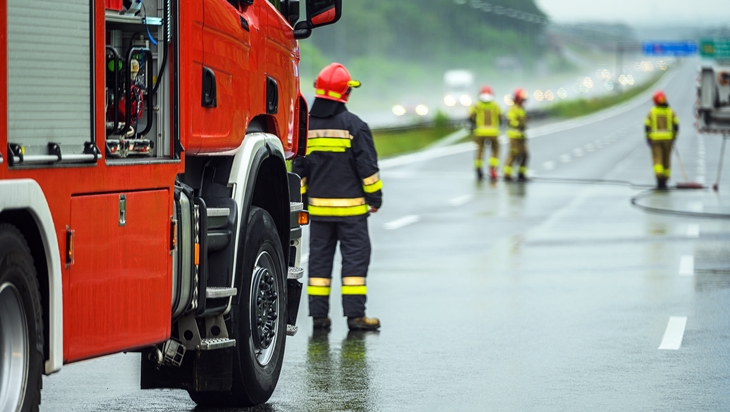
(486, 117)
(339, 174)
(516, 122)
(661, 123)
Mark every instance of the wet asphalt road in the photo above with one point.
(546, 296)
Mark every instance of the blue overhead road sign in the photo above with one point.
(669, 48)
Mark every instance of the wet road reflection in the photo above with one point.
(338, 377)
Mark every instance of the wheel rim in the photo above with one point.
(13, 348)
(264, 305)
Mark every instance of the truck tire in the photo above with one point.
(259, 351)
(21, 325)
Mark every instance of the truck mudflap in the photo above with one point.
(199, 371)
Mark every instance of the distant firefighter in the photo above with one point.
(516, 124)
(661, 127)
(485, 117)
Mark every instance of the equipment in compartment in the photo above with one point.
(133, 73)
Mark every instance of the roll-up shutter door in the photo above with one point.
(49, 74)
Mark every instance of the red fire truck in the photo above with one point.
(145, 203)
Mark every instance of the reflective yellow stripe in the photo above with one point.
(493, 161)
(328, 142)
(353, 281)
(317, 201)
(515, 134)
(303, 190)
(659, 169)
(478, 163)
(338, 211)
(322, 92)
(373, 187)
(354, 290)
(342, 134)
(318, 290)
(320, 281)
(371, 179)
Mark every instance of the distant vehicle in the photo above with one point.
(458, 88)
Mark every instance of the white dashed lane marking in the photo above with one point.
(687, 265)
(565, 158)
(548, 165)
(674, 333)
(404, 221)
(693, 231)
(578, 152)
(458, 201)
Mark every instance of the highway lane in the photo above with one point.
(538, 296)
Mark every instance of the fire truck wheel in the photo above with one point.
(258, 319)
(21, 325)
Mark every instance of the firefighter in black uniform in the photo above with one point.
(341, 187)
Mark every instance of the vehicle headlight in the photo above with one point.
(399, 110)
(421, 110)
(450, 100)
(465, 100)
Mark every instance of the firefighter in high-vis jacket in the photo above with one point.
(486, 117)
(661, 127)
(341, 185)
(516, 125)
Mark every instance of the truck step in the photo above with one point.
(217, 217)
(291, 330)
(212, 292)
(295, 272)
(216, 343)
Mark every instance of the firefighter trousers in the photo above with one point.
(517, 153)
(661, 153)
(354, 240)
(481, 142)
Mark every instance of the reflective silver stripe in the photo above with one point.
(334, 133)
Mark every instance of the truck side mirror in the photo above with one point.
(323, 12)
(319, 13)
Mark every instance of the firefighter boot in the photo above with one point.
(661, 183)
(493, 174)
(321, 323)
(521, 177)
(363, 323)
(480, 174)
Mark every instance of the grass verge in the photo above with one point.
(582, 107)
(392, 143)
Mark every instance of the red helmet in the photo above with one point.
(486, 90)
(660, 97)
(334, 83)
(520, 95)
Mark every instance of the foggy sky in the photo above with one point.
(638, 12)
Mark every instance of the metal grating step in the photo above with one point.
(216, 343)
(295, 272)
(291, 330)
(212, 292)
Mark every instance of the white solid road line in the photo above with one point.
(672, 339)
(404, 221)
(693, 231)
(458, 201)
(687, 265)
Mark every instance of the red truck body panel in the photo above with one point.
(117, 294)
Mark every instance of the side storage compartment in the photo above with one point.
(119, 287)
